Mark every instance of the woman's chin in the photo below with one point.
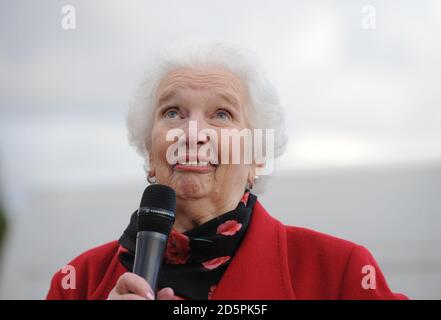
(191, 186)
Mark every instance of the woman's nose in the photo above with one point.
(194, 130)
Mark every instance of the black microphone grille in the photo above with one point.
(159, 196)
(157, 209)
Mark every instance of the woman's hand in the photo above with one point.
(130, 286)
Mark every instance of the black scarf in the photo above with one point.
(195, 260)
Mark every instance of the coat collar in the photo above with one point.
(259, 269)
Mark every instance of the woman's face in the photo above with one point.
(213, 99)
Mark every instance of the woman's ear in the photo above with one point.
(151, 172)
(151, 166)
(251, 175)
(259, 168)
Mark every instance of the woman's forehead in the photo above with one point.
(223, 83)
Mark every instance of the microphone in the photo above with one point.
(156, 215)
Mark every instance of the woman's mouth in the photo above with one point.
(195, 166)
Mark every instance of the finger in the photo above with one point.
(130, 296)
(166, 294)
(132, 283)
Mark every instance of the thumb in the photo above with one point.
(165, 294)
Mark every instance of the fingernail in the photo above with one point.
(150, 296)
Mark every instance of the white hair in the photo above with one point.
(265, 110)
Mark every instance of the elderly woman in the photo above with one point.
(223, 244)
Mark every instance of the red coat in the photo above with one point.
(274, 261)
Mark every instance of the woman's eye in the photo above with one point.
(171, 114)
(223, 115)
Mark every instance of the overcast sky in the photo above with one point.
(352, 96)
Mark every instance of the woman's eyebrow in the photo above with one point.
(229, 99)
(165, 97)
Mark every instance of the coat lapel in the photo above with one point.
(259, 269)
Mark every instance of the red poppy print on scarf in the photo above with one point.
(245, 197)
(121, 249)
(178, 248)
(229, 228)
(216, 262)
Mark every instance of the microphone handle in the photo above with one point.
(150, 248)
